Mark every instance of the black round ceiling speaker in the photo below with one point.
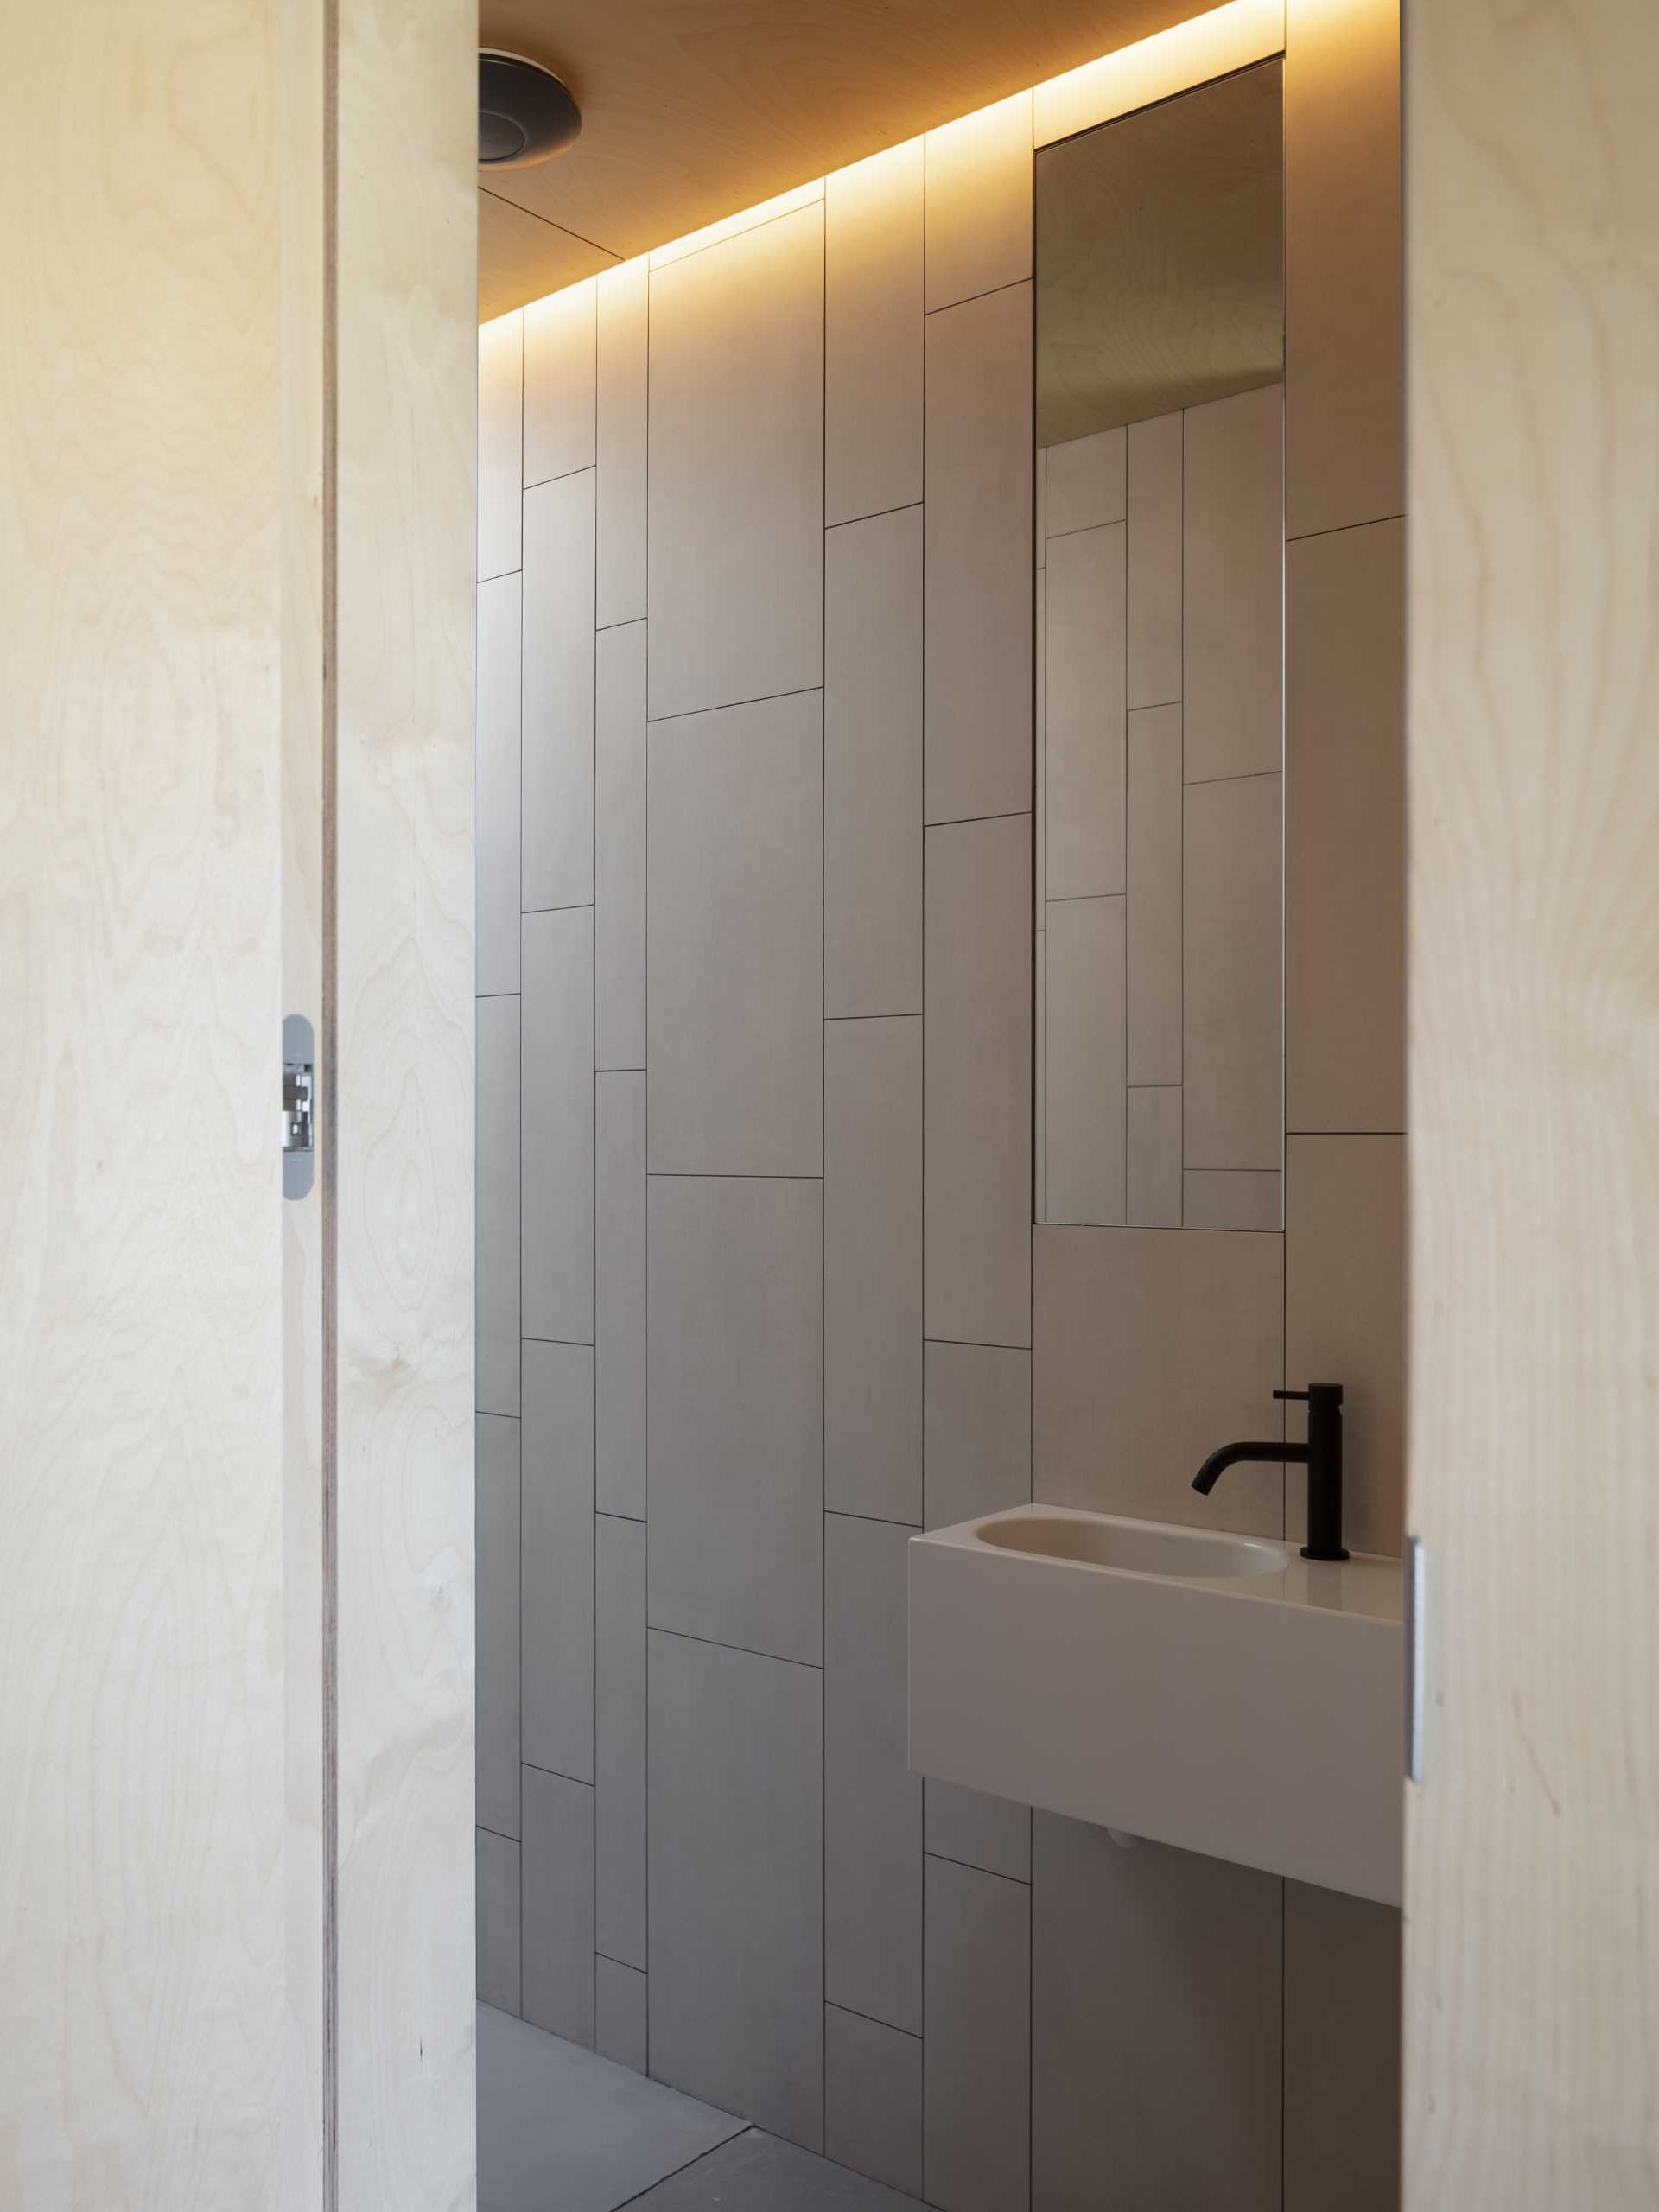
(525, 114)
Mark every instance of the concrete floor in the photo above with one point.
(559, 2130)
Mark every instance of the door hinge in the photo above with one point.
(299, 1104)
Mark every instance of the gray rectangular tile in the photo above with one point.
(1154, 1346)
(1232, 563)
(872, 2098)
(736, 1364)
(1345, 1319)
(1039, 784)
(500, 443)
(1154, 560)
(619, 1737)
(977, 1431)
(557, 1861)
(1084, 1138)
(974, 1829)
(977, 1082)
(498, 1920)
(1342, 2052)
(1152, 1971)
(497, 1204)
(558, 695)
(557, 1600)
(497, 833)
(1085, 482)
(558, 1125)
(872, 1802)
(1232, 1015)
(1155, 1169)
(1039, 1079)
(496, 1461)
(554, 2118)
(621, 2027)
(620, 503)
(757, 2173)
(872, 766)
(872, 1268)
(977, 588)
(1155, 878)
(1232, 1198)
(1343, 359)
(1346, 830)
(619, 846)
(735, 994)
(737, 1882)
(736, 397)
(559, 383)
(1084, 729)
(620, 1292)
(976, 2053)
(979, 201)
(873, 334)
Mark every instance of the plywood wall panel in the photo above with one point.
(407, 279)
(1531, 2072)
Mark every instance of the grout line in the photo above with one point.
(747, 1650)
(823, 1155)
(1019, 1881)
(740, 2128)
(909, 1014)
(500, 1835)
(1340, 529)
(833, 2005)
(875, 1520)
(576, 906)
(967, 298)
(569, 1343)
(904, 507)
(557, 1774)
(564, 476)
(721, 1175)
(961, 820)
(974, 1344)
(1095, 897)
(727, 706)
(1246, 776)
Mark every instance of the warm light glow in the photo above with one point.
(729, 225)
(1188, 53)
(1153, 68)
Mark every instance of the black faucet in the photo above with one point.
(1321, 1455)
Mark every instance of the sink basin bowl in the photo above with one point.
(1136, 1546)
(1215, 1692)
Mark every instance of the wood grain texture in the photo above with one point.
(407, 395)
(691, 108)
(522, 257)
(307, 1535)
(1532, 1884)
(141, 962)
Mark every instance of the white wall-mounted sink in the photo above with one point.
(1216, 1692)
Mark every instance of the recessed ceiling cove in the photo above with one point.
(692, 109)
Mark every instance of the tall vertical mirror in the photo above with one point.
(1159, 559)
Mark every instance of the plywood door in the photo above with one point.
(141, 1410)
(1532, 1883)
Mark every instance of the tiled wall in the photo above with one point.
(758, 1290)
(1159, 788)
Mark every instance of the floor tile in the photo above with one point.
(559, 2130)
(757, 2173)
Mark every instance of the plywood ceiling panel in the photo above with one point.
(521, 255)
(692, 109)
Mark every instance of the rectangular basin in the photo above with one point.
(1216, 1692)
